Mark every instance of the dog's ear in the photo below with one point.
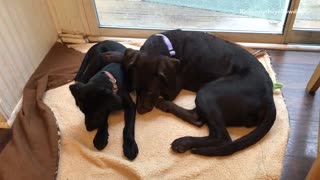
(130, 57)
(167, 70)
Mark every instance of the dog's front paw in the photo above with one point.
(181, 145)
(130, 149)
(100, 141)
(163, 105)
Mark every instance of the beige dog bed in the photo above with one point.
(155, 131)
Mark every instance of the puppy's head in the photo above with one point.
(151, 77)
(95, 102)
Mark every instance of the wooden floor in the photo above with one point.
(294, 70)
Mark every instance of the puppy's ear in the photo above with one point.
(130, 57)
(167, 70)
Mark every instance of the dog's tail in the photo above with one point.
(245, 141)
(83, 66)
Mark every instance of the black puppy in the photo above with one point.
(98, 56)
(233, 88)
(105, 92)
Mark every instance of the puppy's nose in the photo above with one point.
(143, 110)
(89, 128)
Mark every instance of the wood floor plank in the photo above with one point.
(296, 168)
(294, 70)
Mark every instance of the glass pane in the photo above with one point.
(308, 16)
(212, 15)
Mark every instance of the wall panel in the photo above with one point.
(27, 34)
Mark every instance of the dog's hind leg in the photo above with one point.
(190, 116)
(207, 109)
(218, 135)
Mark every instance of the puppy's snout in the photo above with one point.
(89, 127)
(143, 110)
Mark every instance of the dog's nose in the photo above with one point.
(143, 110)
(89, 128)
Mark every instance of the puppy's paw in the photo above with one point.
(163, 105)
(182, 144)
(100, 141)
(130, 149)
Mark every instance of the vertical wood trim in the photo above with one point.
(70, 16)
(294, 5)
(83, 16)
(53, 14)
(91, 16)
(314, 81)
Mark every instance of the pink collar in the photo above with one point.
(168, 44)
(113, 80)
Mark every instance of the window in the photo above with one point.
(275, 21)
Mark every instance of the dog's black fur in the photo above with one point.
(95, 97)
(233, 88)
(98, 56)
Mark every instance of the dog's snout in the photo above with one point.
(89, 128)
(145, 103)
(142, 110)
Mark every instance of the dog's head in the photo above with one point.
(151, 77)
(95, 102)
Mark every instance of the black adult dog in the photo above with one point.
(233, 88)
(102, 89)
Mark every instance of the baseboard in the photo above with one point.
(284, 47)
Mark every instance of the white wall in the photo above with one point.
(27, 32)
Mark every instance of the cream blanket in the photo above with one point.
(154, 133)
